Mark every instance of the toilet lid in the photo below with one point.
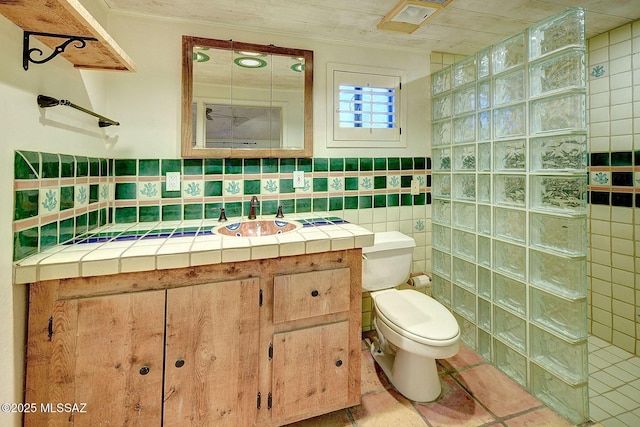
(417, 313)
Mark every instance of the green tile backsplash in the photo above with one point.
(59, 196)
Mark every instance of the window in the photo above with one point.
(366, 108)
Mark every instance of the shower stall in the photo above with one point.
(509, 152)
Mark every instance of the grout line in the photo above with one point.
(526, 411)
(350, 416)
(473, 396)
(420, 414)
(618, 356)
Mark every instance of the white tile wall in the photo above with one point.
(614, 118)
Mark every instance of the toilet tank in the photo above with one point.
(387, 263)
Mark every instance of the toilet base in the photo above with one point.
(415, 377)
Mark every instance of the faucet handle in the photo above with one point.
(223, 215)
(280, 214)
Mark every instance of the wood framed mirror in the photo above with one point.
(243, 100)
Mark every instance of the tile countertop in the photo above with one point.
(125, 248)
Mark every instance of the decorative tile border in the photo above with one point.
(60, 197)
(56, 198)
(614, 178)
(330, 184)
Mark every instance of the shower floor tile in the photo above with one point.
(614, 385)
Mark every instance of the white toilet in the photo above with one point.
(413, 328)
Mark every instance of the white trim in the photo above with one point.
(386, 138)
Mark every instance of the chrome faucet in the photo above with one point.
(252, 207)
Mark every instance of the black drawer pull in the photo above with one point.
(179, 363)
(144, 370)
(315, 293)
(339, 363)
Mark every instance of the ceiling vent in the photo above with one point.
(408, 15)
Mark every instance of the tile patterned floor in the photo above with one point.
(614, 385)
(475, 394)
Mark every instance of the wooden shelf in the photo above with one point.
(68, 17)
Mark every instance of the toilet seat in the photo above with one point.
(417, 316)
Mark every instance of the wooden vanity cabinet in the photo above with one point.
(211, 356)
(263, 342)
(107, 354)
(311, 354)
(114, 353)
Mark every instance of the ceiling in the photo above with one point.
(464, 27)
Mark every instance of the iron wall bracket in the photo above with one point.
(27, 52)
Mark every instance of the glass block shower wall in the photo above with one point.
(509, 206)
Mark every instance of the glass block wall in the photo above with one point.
(509, 206)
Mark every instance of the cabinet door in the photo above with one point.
(212, 354)
(108, 353)
(310, 371)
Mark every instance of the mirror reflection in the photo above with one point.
(245, 100)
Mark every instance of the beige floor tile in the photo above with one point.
(607, 405)
(373, 380)
(629, 403)
(496, 391)
(628, 390)
(479, 395)
(597, 362)
(616, 372)
(630, 367)
(543, 417)
(597, 413)
(608, 380)
(454, 408)
(463, 359)
(332, 419)
(596, 387)
(622, 354)
(386, 409)
(630, 419)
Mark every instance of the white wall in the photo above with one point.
(147, 104)
(24, 126)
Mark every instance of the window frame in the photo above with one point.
(361, 76)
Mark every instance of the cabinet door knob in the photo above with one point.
(144, 370)
(315, 293)
(179, 363)
(339, 363)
